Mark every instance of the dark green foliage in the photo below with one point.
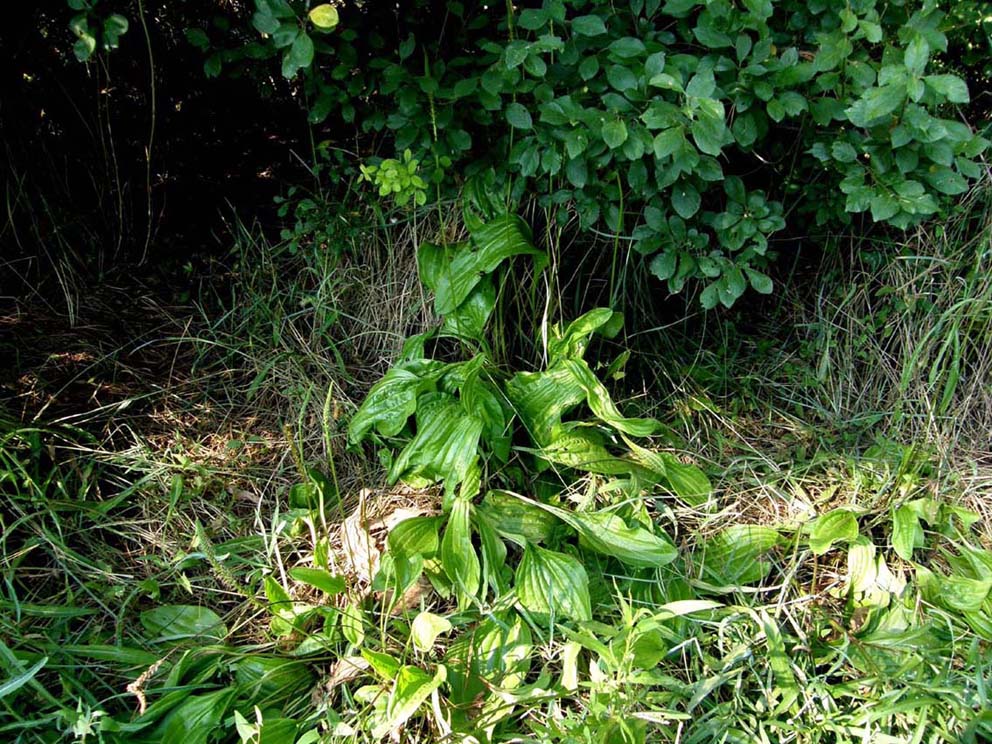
(691, 129)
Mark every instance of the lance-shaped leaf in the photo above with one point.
(609, 534)
(493, 243)
(458, 555)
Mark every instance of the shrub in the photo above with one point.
(692, 129)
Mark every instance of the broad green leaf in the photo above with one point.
(581, 450)
(384, 665)
(12, 685)
(494, 242)
(324, 16)
(516, 519)
(607, 533)
(411, 690)
(541, 398)
(271, 679)
(599, 401)
(445, 445)
(388, 405)
(951, 87)
(552, 586)
(299, 56)
(780, 662)
(519, 117)
(614, 133)
(119, 654)
(732, 557)
(876, 104)
(588, 25)
(174, 622)
(353, 624)
(496, 653)
(861, 567)
(458, 556)
(319, 579)
(574, 340)
(197, 718)
(687, 482)
(686, 200)
(963, 594)
(907, 534)
(839, 525)
(425, 629)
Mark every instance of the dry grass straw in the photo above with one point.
(906, 343)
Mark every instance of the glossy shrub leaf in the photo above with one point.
(458, 556)
(519, 117)
(552, 586)
(839, 525)
(324, 16)
(951, 87)
(614, 133)
(175, 622)
(588, 25)
(299, 56)
(686, 200)
(114, 26)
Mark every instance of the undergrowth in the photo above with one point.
(786, 546)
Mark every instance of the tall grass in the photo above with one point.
(903, 343)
